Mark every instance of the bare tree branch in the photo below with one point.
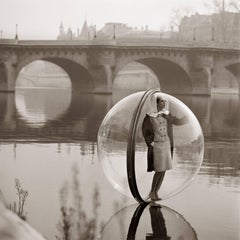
(218, 6)
(178, 14)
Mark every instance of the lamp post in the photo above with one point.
(161, 35)
(194, 34)
(114, 33)
(16, 35)
(95, 32)
(212, 33)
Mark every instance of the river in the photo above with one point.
(48, 145)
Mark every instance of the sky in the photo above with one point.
(40, 19)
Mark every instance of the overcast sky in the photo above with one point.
(40, 19)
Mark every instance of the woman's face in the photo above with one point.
(161, 104)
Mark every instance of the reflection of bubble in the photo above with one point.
(148, 222)
(113, 142)
(37, 107)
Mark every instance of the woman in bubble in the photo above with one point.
(157, 129)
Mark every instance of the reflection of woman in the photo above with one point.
(158, 224)
(157, 131)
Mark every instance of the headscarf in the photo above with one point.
(153, 111)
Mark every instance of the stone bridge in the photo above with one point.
(93, 65)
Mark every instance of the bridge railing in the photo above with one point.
(174, 42)
(8, 41)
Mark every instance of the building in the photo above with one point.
(112, 30)
(220, 27)
(87, 33)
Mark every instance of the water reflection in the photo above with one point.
(79, 118)
(148, 222)
(48, 105)
(82, 114)
(219, 116)
(75, 222)
(222, 151)
(62, 120)
(226, 116)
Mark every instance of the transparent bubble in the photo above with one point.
(124, 149)
(148, 222)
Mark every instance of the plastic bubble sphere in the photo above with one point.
(150, 145)
(149, 222)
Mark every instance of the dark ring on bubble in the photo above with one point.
(131, 146)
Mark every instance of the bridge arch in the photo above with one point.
(3, 76)
(226, 76)
(172, 77)
(80, 77)
(235, 70)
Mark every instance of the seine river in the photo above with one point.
(48, 144)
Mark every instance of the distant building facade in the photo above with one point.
(86, 33)
(121, 30)
(111, 30)
(221, 27)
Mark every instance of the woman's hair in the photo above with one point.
(161, 99)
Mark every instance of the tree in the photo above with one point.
(218, 6)
(178, 14)
(235, 5)
(225, 11)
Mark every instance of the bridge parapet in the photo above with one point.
(128, 41)
(4, 41)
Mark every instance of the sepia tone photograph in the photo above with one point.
(120, 120)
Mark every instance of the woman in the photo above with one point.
(157, 129)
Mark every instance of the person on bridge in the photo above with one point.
(157, 130)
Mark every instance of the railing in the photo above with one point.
(8, 41)
(174, 42)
